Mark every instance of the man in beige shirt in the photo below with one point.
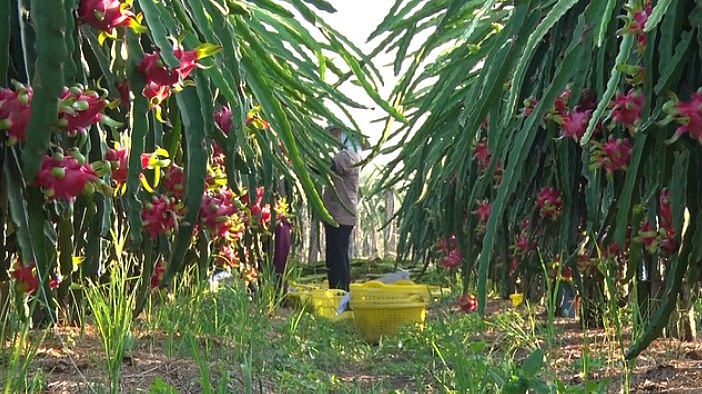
(342, 203)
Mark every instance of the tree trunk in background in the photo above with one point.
(592, 299)
(389, 230)
(370, 244)
(356, 243)
(368, 247)
(685, 323)
(314, 241)
(352, 243)
(689, 294)
(657, 287)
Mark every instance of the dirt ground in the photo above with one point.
(69, 360)
(667, 366)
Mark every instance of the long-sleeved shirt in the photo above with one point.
(343, 208)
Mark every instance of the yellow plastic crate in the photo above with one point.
(402, 290)
(300, 294)
(325, 302)
(306, 287)
(374, 318)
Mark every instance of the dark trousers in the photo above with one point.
(337, 256)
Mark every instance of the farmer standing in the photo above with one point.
(342, 203)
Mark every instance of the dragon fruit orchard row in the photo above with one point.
(226, 215)
(65, 173)
(611, 154)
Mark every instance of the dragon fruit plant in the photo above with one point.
(108, 138)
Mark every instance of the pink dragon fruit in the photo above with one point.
(549, 203)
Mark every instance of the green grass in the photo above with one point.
(288, 350)
(243, 342)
